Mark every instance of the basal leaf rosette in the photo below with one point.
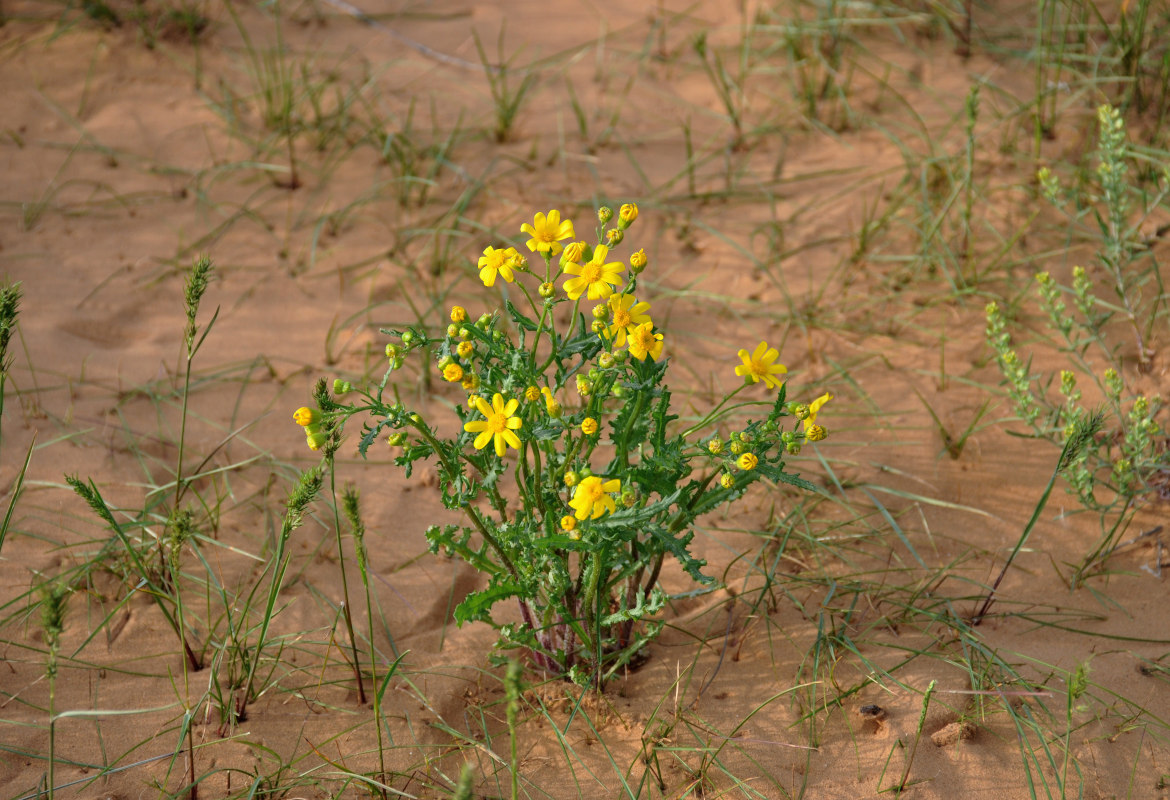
(570, 477)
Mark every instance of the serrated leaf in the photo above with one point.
(518, 318)
(477, 606)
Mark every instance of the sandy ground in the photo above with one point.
(119, 163)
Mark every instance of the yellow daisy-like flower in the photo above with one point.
(589, 426)
(595, 277)
(592, 497)
(495, 262)
(747, 461)
(811, 420)
(627, 315)
(546, 231)
(465, 349)
(453, 373)
(759, 365)
(498, 424)
(645, 342)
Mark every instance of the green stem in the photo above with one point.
(357, 672)
(711, 414)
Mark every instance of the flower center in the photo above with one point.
(621, 318)
(592, 492)
(757, 369)
(547, 234)
(497, 423)
(591, 273)
(644, 339)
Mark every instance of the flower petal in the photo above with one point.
(482, 440)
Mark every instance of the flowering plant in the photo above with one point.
(574, 478)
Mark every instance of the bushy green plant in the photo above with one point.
(576, 482)
(1129, 459)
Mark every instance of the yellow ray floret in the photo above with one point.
(596, 277)
(645, 342)
(497, 262)
(592, 497)
(546, 231)
(760, 366)
(498, 424)
(627, 315)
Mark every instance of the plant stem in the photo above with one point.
(357, 672)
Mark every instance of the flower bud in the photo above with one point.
(629, 497)
(638, 262)
(747, 461)
(604, 214)
(601, 311)
(532, 394)
(396, 439)
(453, 373)
(470, 382)
(452, 330)
(788, 437)
(572, 478)
(407, 337)
(605, 360)
(815, 433)
(620, 356)
(627, 214)
(458, 315)
(598, 326)
(745, 437)
(615, 235)
(465, 349)
(589, 426)
(737, 447)
(573, 253)
(793, 448)
(800, 410)
(726, 480)
(342, 387)
(618, 391)
(497, 336)
(546, 290)
(484, 321)
(317, 440)
(568, 523)
(392, 352)
(583, 386)
(715, 446)
(463, 333)
(305, 416)
(445, 362)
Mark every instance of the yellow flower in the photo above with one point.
(453, 373)
(596, 277)
(759, 365)
(532, 394)
(568, 523)
(470, 382)
(459, 313)
(592, 497)
(810, 421)
(747, 461)
(627, 214)
(465, 349)
(627, 315)
(491, 263)
(305, 416)
(498, 423)
(643, 342)
(589, 426)
(547, 231)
